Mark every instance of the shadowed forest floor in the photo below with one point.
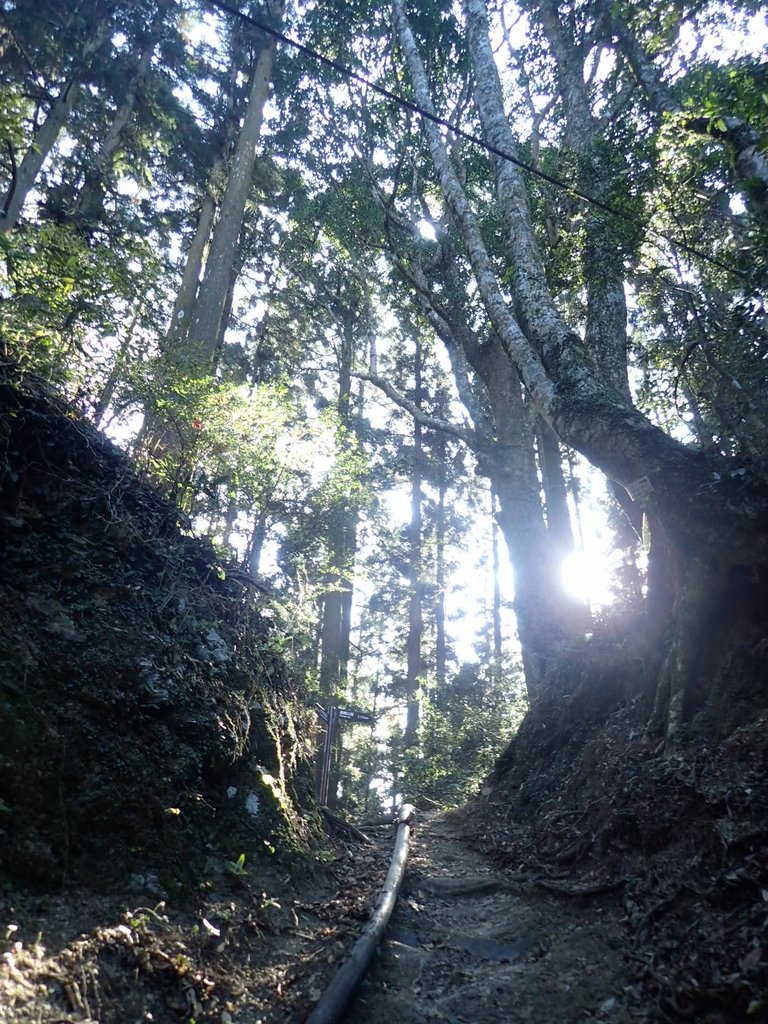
(248, 948)
(559, 919)
(467, 944)
(479, 936)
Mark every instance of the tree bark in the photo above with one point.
(415, 570)
(342, 545)
(498, 651)
(193, 263)
(207, 318)
(256, 543)
(441, 649)
(503, 442)
(585, 411)
(559, 527)
(605, 336)
(706, 519)
(538, 604)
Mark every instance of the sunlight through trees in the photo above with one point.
(340, 299)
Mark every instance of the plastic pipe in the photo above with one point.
(334, 1001)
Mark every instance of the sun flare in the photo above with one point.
(587, 575)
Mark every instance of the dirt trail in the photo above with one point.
(469, 945)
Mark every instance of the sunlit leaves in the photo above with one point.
(64, 300)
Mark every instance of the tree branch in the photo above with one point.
(465, 434)
(445, 322)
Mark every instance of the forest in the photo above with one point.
(403, 367)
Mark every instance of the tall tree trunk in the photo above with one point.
(504, 443)
(605, 337)
(113, 378)
(539, 600)
(256, 544)
(584, 410)
(498, 651)
(193, 263)
(89, 204)
(48, 132)
(441, 653)
(559, 526)
(342, 531)
(336, 603)
(701, 515)
(226, 312)
(158, 438)
(575, 613)
(415, 583)
(207, 318)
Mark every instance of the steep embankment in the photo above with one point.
(159, 854)
(145, 718)
(677, 839)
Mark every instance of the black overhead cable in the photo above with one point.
(414, 108)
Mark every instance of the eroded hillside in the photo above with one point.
(145, 716)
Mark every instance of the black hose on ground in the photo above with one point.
(337, 997)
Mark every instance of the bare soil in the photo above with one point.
(470, 944)
(490, 928)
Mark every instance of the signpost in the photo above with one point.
(331, 716)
